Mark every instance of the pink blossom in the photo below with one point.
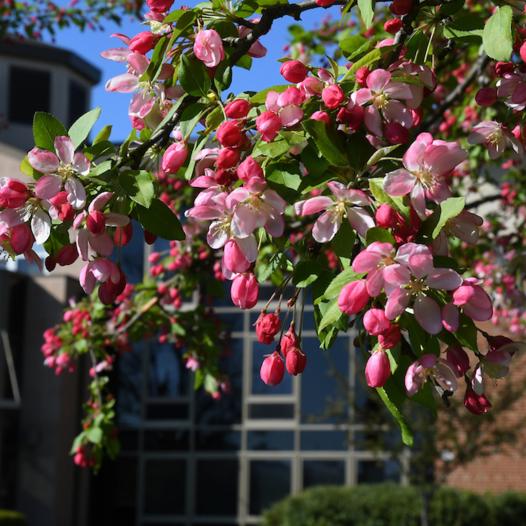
(458, 360)
(257, 49)
(268, 125)
(512, 87)
(382, 100)
(294, 71)
(208, 48)
(272, 369)
(286, 105)
(372, 260)
(426, 163)
(244, 291)
(429, 366)
(495, 138)
(375, 322)
(174, 157)
(473, 300)
(353, 297)
(13, 193)
(345, 203)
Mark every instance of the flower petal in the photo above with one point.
(41, 226)
(76, 193)
(48, 186)
(43, 161)
(427, 314)
(65, 149)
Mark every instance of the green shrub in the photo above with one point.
(11, 518)
(392, 505)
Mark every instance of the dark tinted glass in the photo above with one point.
(165, 487)
(217, 440)
(270, 440)
(376, 471)
(324, 440)
(269, 482)
(29, 91)
(319, 472)
(166, 440)
(216, 487)
(271, 411)
(168, 377)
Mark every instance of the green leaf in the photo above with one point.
(103, 135)
(306, 273)
(367, 12)
(449, 208)
(376, 186)
(379, 234)
(272, 149)
(80, 129)
(160, 220)
(138, 186)
(193, 76)
(94, 435)
(336, 285)
(370, 58)
(45, 129)
(379, 154)
(386, 394)
(343, 243)
(330, 316)
(328, 141)
(285, 178)
(27, 169)
(466, 25)
(497, 37)
(467, 333)
(261, 96)
(190, 117)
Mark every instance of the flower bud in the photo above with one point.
(353, 297)
(237, 109)
(67, 255)
(477, 404)
(352, 117)
(501, 68)
(143, 42)
(522, 51)
(272, 369)
(390, 338)
(295, 360)
(395, 133)
(322, 116)
(375, 322)
(393, 25)
(244, 291)
(473, 300)
(324, 3)
(149, 238)
(50, 263)
(110, 289)
(362, 74)
(486, 97)
(249, 168)
(13, 193)
(208, 48)
(21, 238)
(289, 340)
(386, 216)
(234, 259)
(458, 359)
(377, 369)
(122, 235)
(174, 157)
(96, 222)
(401, 7)
(160, 6)
(268, 125)
(267, 326)
(293, 71)
(332, 96)
(229, 134)
(227, 158)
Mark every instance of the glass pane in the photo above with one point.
(233, 321)
(166, 440)
(270, 440)
(269, 483)
(24, 99)
(328, 371)
(78, 101)
(167, 411)
(259, 351)
(376, 471)
(217, 440)
(168, 377)
(271, 411)
(217, 483)
(324, 440)
(128, 382)
(226, 410)
(165, 487)
(319, 472)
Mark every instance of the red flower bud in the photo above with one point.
(272, 369)
(475, 403)
(174, 157)
(244, 291)
(375, 322)
(295, 361)
(289, 340)
(249, 168)
(149, 238)
(160, 6)
(293, 71)
(377, 369)
(352, 117)
(21, 238)
(267, 326)
(67, 255)
(458, 359)
(486, 97)
(501, 68)
(395, 133)
(393, 26)
(122, 235)
(522, 52)
(13, 193)
(229, 134)
(227, 158)
(143, 42)
(268, 125)
(322, 116)
(237, 109)
(390, 338)
(353, 297)
(96, 222)
(401, 7)
(362, 74)
(386, 216)
(332, 96)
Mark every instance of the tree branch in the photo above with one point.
(483, 201)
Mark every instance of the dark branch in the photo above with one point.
(483, 201)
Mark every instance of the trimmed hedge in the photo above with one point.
(12, 518)
(393, 505)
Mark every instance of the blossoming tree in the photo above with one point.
(361, 177)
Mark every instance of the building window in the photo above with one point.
(78, 101)
(29, 91)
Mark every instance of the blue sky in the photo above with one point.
(265, 71)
